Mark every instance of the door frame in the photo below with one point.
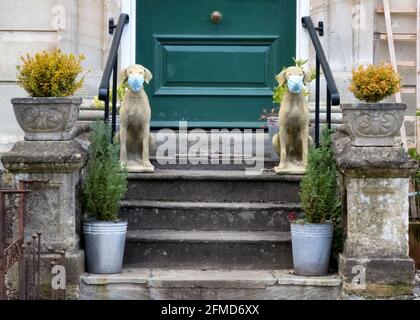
(128, 43)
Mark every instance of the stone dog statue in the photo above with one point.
(135, 114)
(293, 141)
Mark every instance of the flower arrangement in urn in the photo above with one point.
(373, 122)
(50, 78)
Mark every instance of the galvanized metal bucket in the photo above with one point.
(311, 245)
(104, 245)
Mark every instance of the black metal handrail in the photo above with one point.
(111, 68)
(333, 96)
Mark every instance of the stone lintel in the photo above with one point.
(384, 277)
(45, 156)
(371, 162)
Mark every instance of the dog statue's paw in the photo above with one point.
(147, 164)
(144, 167)
(280, 168)
(282, 165)
(147, 167)
(123, 163)
(289, 169)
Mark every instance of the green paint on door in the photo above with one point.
(214, 74)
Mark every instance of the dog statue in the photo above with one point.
(135, 113)
(293, 141)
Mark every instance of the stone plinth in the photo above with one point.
(53, 206)
(375, 186)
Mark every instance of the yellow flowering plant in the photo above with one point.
(374, 83)
(51, 74)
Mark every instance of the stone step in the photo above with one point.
(208, 249)
(323, 107)
(213, 186)
(164, 284)
(207, 216)
(174, 163)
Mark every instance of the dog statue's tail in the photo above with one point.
(276, 144)
(117, 138)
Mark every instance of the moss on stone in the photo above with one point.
(376, 290)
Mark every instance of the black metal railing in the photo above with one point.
(111, 68)
(333, 96)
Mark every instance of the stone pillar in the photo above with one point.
(375, 186)
(53, 206)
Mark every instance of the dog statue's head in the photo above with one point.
(136, 75)
(295, 78)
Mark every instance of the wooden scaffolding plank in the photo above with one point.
(407, 64)
(399, 36)
(393, 58)
(398, 10)
(409, 89)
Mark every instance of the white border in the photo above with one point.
(128, 42)
(302, 37)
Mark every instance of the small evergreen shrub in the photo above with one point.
(374, 83)
(50, 74)
(319, 184)
(106, 182)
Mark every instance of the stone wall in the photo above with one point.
(374, 184)
(27, 26)
(80, 26)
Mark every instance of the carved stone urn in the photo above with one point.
(373, 124)
(47, 118)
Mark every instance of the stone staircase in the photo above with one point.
(209, 234)
(209, 220)
(209, 231)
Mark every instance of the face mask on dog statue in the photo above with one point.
(295, 84)
(136, 82)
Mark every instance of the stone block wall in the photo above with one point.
(28, 26)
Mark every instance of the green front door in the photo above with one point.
(214, 74)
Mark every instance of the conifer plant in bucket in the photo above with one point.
(50, 78)
(312, 236)
(103, 188)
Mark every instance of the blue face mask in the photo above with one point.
(135, 83)
(295, 84)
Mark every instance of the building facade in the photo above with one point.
(353, 31)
